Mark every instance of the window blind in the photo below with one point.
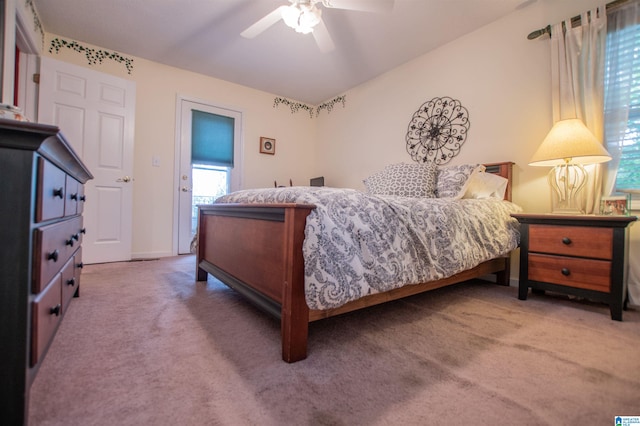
(212, 139)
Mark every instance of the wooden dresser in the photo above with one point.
(40, 257)
(585, 256)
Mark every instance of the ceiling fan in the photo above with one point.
(305, 16)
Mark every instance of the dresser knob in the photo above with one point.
(83, 198)
(74, 196)
(83, 231)
(55, 310)
(69, 242)
(75, 237)
(80, 265)
(71, 281)
(53, 256)
(566, 272)
(58, 192)
(566, 240)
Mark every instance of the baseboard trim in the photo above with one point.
(150, 255)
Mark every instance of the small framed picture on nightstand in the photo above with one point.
(615, 205)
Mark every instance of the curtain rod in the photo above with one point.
(575, 21)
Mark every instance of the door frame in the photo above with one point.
(236, 178)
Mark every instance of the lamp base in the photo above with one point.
(567, 181)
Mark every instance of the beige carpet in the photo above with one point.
(146, 345)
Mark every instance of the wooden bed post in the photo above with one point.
(294, 321)
(201, 274)
(504, 277)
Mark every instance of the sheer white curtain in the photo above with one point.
(577, 75)
(619, 82)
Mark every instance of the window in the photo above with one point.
(622, 97)
(209, 183)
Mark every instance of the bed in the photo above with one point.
(257, 247)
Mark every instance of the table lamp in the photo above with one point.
(567, 147)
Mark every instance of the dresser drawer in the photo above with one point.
(588, 274)
(51, 190)
(54, 245)
(69, 283)
(71, 196)
(576, 241)
(81, 199)
(46, 315)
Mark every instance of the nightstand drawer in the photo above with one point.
(578, 241)
(588, 274)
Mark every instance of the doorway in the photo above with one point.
(210, 153)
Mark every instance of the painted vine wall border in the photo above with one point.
(94, 56)
(298, 106)
(36, 20)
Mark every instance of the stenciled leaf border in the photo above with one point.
(298, 106)
(36, 20)
(94, 56)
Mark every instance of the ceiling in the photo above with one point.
(204, 36)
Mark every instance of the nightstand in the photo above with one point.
(584, 256)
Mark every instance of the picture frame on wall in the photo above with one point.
(615, 205)
(267, 146)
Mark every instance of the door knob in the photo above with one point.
(185, 189)
(124, 179)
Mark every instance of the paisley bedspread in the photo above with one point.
(358, 244)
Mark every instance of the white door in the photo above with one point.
(185, 179)
(95, 112)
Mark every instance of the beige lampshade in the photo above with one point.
(569, 141)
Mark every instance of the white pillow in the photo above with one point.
(402, 179)
(452, 181)
(486, 185)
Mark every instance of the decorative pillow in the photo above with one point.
(486, 185)
(452, 181)
(402, 179)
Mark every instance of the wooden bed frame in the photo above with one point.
(256, 249)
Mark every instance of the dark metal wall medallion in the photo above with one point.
(437, 130)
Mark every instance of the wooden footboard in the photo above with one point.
(256, 249)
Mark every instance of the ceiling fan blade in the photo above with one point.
(323, 39)
(263, 23)
(361, 5)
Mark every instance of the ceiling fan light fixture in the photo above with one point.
(301, 17)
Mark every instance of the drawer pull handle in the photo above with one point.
(69, 242)
(75, 237)
(74, 196)
(53, 256)
(566, 272)
(55, 310)
(83, 198)
(58, 192)
(71, 281)
(80, 265)
(83, 231)
(566, 240)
